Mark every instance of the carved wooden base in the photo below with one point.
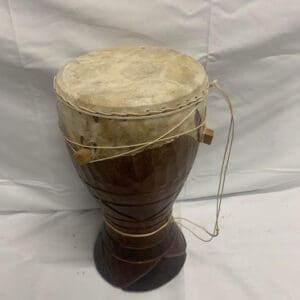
(140, 263)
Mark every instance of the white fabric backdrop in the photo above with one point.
(252, 48)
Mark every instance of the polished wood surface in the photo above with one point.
(136, 193)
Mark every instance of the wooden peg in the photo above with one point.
(207, 136)
(82, 156)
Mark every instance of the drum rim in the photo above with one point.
(140, 112)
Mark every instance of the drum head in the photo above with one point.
(131, 79)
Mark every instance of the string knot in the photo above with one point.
(213, 83)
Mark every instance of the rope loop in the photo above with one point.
(222, 178)
(139, 147)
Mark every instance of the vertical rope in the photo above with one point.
(222, 178)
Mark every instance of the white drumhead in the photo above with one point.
(128, 78)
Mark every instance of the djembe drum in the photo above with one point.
(132, 118)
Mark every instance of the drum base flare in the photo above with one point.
(140, 264)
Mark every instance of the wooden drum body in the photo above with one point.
(112, 113)
(137, 193)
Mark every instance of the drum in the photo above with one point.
(132, 118)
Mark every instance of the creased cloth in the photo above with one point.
(252, 48)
